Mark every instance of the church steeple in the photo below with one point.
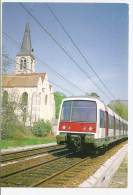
(25, 59)
(26, 48)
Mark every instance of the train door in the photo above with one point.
(123, 128)
(106, 123)
(119, 127)
(114, 124)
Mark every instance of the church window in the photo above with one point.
(5, 98)
(23, 64)
(46, 99)
(24, 99)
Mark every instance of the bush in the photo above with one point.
(41, 128)
(12, 131)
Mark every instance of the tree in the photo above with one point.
(14, 114)
(6, 62)
(58, 96)
(9, 117)
(94, 95)
(120, 108)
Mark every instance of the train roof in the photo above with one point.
(97, 100)
(84, 97)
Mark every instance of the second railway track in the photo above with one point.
(65, 171)
(18, 155)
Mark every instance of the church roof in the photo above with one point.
(22, 80)
(26, 48)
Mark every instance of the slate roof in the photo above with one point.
(26, 48)
(22, 80)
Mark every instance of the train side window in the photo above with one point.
(102, 115)
(117, 124)
(110, 122)
(121, 125)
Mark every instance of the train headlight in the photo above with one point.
(90, 128)
(84, 128)
(63, 127)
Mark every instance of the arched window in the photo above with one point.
(5, 98)
(23, 64)
(24, 99)
(46, 99)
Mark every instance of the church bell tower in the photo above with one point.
(25, 61)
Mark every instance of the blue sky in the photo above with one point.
(100, 31)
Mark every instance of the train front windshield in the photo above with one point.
(79, 111)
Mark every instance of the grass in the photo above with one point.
(123, 166)
(28, 140)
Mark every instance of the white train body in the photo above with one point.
(88, 121)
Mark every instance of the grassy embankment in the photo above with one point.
(27, 139)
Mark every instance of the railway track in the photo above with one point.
(65, 171)
(18, 155)
(35, 174)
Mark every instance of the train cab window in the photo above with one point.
(102, 122)
(79, 111)
(84, 111)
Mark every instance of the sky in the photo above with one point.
(99, 31)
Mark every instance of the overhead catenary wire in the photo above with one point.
(62, 48)
(79, 50)
(38, 74)
(44, 64)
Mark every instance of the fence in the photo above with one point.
(54, 123)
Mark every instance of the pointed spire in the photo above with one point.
(26, 48)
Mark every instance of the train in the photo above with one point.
(86, 123)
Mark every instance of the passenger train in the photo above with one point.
(87, 123)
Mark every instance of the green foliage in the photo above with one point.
(120, 108)
(12, 130)
(58, 99)
(5, 98)
(94, 95)
(24, 99)
(12, 112)
(41, 128)
(9, 120)
(6, 62)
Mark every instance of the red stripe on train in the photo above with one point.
(77, 127)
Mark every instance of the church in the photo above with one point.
(33, 88)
